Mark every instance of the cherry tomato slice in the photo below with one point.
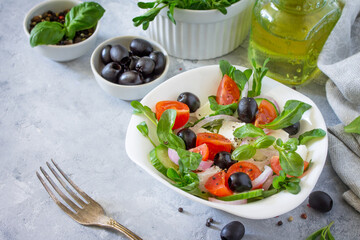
(217, 185)
(228, 92)
(250, 169)
(266, 113)
(215, 142)
(276, 167)
(203, 150)
(182, 112)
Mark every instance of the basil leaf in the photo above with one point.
(145, 5)
(323, 232)
(264, 142)
(143, 128)
(45, 33)
(279, 142)
(164, 130)
(226, 67)
(240, 79)
(221, 109)
(243, 152)
(81, 17)
(139, 108)
(291, 163)
(354, 126)
(213, 126)
(170, 13)
(292, 113)
(259, 74)
(248, 130)
(190, 160)
(291, 144)
(312, 134)
(293, 187)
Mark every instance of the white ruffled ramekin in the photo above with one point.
(202, 34)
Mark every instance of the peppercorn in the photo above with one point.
(279, 223)
(180, 209)
(210, 220)
(303, 216)
(208, 224)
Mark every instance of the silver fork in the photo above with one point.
(90, 212)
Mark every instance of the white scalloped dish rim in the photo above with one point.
(203, 82)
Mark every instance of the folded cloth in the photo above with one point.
(340, 61)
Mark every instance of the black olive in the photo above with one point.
(133, 61)
(189, 99)
(149, 79)
(247, 109)
(293, 129)
(160, 61)
(105, 54)
(239, 182)
(223, 160)
(111, 71)
(320, 201)
(130, 78)
(188, 136)
(140, 47)
(145, 65)
(232, 231)
(119, 53)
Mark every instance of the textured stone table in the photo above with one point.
(57, 110)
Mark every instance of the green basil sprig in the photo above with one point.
(291, 184)
(221, 109)
(292, 113)
(238, 76)
(310, 135)
(248, 130)
(141, 109)
(259, 74)
(354, 126)
(323, 233)
(143, 128)
(81, 17)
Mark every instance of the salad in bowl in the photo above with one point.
(233, 139)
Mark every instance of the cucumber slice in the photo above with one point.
(243, 195)
(159, 158)
(258, 101)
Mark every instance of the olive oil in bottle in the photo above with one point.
(291, 33)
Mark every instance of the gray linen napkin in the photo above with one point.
(340, 61)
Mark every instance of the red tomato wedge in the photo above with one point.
(215, 142)
(182, 112)
(250, 169)
(228, 92)
(276, 167)
(266, 113)
(217, 185)
(203, 150)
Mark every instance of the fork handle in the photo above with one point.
(117, 226)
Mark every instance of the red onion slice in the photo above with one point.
(235, 202)
(205, 165)
(263, 177)
(212, 118)
(173, 155)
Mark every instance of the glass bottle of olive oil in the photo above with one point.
(291, 33)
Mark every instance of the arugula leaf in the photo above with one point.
(243, 152)
(248, 130)
(164, 130)
(46, 33)
(259, 74)
(323, 233)
(143, 128)
(282, 182)
(310, 135)
(292, 113)
(354, 126)
(139, 108)
(264, 142)
(221, 109)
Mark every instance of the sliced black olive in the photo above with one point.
(145, 65)
(239, 182)
(293, 129)
(133, 61)
(119, 53)
(232, 231)
(111, 71)
(160, 61)
(247, 109)
(189, 99)
(223, 160)
(105, 54)
(189, 137)
(140, 47)
(130, 78)
(320, 201)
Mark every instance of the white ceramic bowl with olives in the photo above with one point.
(60, 53)
(128, 67)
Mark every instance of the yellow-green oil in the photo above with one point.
(291, 33)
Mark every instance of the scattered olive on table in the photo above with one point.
(223, 160)
(232, 231)
(292, 129)
(189, 99)
(188, 136)
(320, 201)
(239, 182)
(247, 109)
(138, 66)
